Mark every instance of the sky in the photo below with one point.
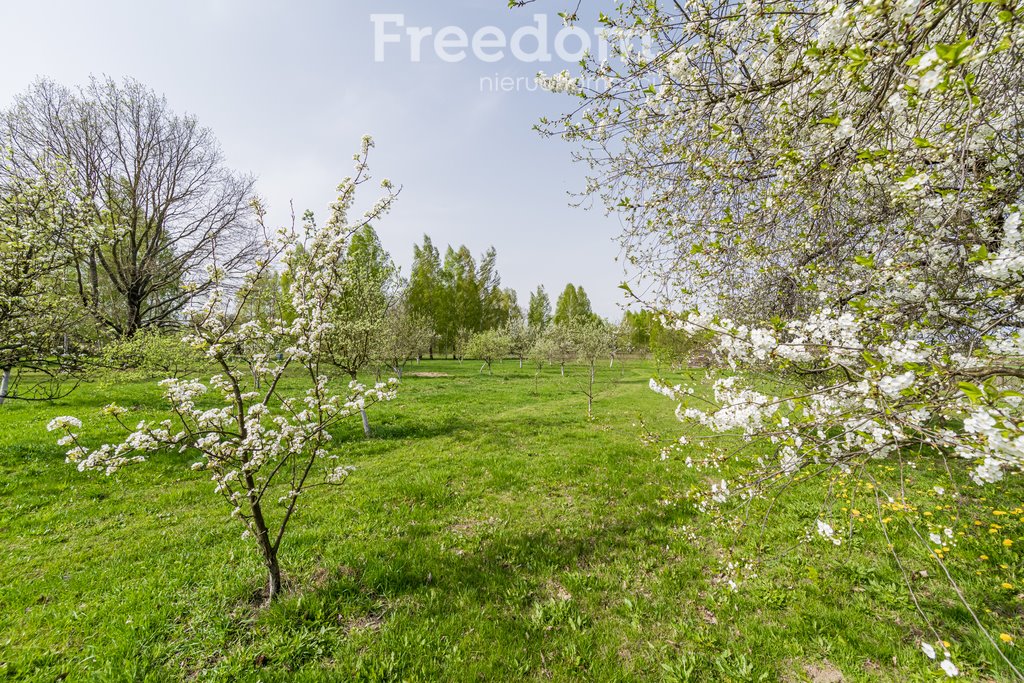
(289, 89)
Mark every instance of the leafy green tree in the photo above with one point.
(538, 316)
(359, 312)
(426, 293)
(637, 326)
(573, 306)
(153, 353)
(463, 304)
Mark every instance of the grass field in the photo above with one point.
(490, 533)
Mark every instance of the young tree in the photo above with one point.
(538, 316)
(153, 353)
(39, 230)
(488, 346)
(358, 315)
(265, 450)
(863, 164)
(164, 207)
(460, 344)
(405, 336)
(520, 339)
(557, 341)
(592, 341)
(541, 353)
(620, 342)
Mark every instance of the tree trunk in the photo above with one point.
(563, 370)
(266, 546)
(590, 395)
(520, 363)
(366, 423)
(273, 579)
(133, 324)
(5, 385)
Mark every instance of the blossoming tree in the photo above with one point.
(488, 347)
(39, 229)
(264, 449)
(855, 170)
(592, 340)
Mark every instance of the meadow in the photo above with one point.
(490, 532)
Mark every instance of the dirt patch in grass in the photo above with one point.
(371, 622)
(427, 375)
(823, 672)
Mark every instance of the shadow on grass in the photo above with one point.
(501, 559)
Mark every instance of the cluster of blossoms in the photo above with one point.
(254, 440)
(561, 82)
(887, 395)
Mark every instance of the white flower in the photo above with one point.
(896, 102)
(950, 668)
(826, 531)
(892, 386)
(64, 422)
(928, 650)
(929, 81)
(844, 130)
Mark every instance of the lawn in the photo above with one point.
(490, 533)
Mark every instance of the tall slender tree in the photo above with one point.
(426, 290)
(538, 316)
(573, 306)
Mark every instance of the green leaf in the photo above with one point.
(971, 391)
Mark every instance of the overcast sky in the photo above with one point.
(290, 88)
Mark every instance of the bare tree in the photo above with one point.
(163, 205)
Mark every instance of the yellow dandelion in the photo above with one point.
(1007, 542)
(1006, 637)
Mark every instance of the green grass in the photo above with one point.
(490, 533)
